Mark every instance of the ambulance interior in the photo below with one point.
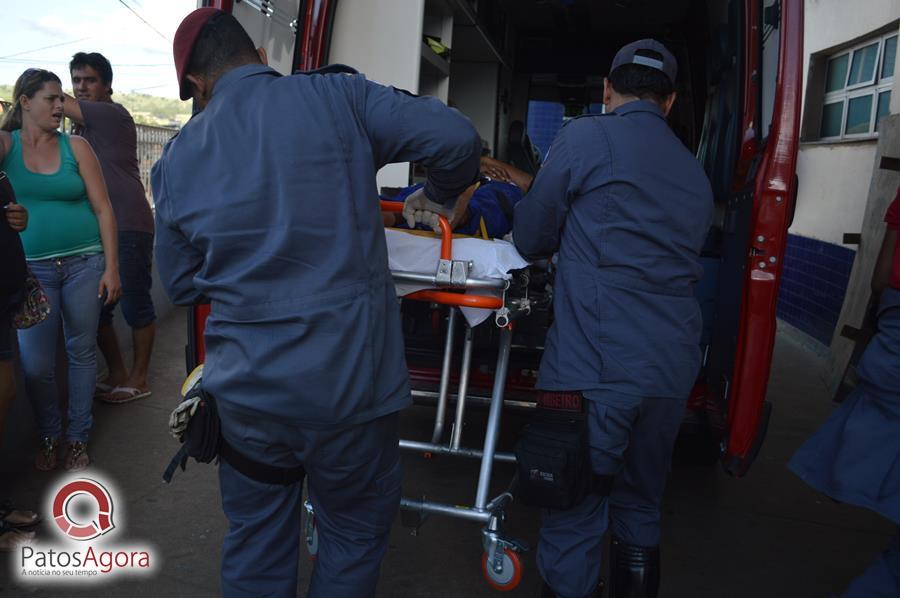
(510, 58)
(506, 60)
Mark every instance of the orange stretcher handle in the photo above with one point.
(444, 297)
(446, 231)
(459, 299)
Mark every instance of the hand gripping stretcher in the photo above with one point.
(471, 277)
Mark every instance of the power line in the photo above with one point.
(47, 61)
(145, 21)
(74, 41)
(152, 87)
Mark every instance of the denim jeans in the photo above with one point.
(71, 284)
(136, 270)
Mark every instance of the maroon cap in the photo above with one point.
(183, 46)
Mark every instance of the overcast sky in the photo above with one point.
(45, 34)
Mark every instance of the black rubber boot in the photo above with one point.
(633, 570)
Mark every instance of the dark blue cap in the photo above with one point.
(630, 54)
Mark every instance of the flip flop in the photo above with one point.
(126, 395)
(102, 388)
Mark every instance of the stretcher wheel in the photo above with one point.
(509, 578)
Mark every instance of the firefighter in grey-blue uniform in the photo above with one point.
(627, 207)
(266, 204)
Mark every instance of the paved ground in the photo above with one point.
(764, 535)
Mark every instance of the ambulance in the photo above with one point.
(518, 69)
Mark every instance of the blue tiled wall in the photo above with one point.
(813, 285)
(544, 122)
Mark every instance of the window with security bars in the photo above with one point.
(858, 82)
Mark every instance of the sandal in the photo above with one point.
(124, 394)
(76, 456)
(45, 460)
(12, 518)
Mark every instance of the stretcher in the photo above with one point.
(472, 277)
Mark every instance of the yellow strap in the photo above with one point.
(484, 233)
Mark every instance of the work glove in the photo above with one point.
(418, 209)
(181, 415)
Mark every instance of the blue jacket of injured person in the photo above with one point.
(627, 207)
(266, 204)
(489, 213)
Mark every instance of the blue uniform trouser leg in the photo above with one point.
(261, 551)
(634, 505)
(631, 438)
(353, 476)
(355, 489)
(882, 578)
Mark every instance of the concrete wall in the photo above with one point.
(834, 177)
(834, 182)
(829, 23)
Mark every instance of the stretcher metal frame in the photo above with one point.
(452, 284)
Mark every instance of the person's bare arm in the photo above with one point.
(16, 215)
(72, 109)
(882, 275)
(98, 195)
(5, 143)
(501, 171)
(390, 219)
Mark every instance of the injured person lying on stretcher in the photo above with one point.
(483, 212)
(485, 208)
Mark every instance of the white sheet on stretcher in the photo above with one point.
(490, 259)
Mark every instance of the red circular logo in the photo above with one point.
(80, 530)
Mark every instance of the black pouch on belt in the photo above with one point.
(204, 442)
(554, 468)
(203, 437)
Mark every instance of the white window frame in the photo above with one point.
(878, 92)
(878, 52)
(852, 95)
(873, 87)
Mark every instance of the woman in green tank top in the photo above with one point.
(70, 245)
